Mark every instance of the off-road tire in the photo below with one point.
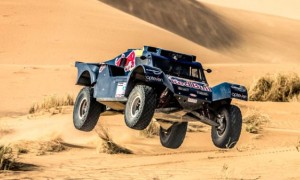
(86, 110)
(174, 136)
(231, 133)
(140, 107)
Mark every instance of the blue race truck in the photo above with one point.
(155, 83)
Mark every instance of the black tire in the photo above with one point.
(174, 136)
(86, 110)
(140, 107)
(227, 136)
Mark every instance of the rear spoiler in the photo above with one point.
(170, 54)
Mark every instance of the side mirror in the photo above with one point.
(208, 70)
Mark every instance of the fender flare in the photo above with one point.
(87, 73)
(149, 75)
(229, 91)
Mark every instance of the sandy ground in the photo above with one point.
(40, 40)
(269, 155)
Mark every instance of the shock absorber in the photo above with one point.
(164, 98)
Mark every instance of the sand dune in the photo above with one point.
(288, 9)
(266, 38)
(244, 36)
(46, 34)
(60, 32)
(40, 40)
(190, 19)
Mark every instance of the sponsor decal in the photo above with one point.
(239, 88)
(130, 61)
(118, 60)
(193, 95)
(202, 93)
(183, 89)
(156, 72)
(121, 87)
(238, 95)
(151, 78)
(189, 84)
(102, 67)
(192, 100)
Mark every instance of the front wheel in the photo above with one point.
(86, 110)
(140, 107)
(174, 136)
(227, 134)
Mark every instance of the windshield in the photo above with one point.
(186, 71)
(179, 69)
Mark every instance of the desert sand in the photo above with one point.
(40, 40)
(277, 8)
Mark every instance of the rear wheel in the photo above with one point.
(86, 110)
(140, 107)
(227, 134)
(174, 136)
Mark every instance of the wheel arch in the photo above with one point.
(137, 75)
(147, 75)
(87, 73)
(84, 79)
(223, 102)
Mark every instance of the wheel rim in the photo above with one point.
(83, 108)
(136, 106)
(222, 127)
(167, 132)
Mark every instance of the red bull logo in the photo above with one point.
(118, 60)
(130, 61)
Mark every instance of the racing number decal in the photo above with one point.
(121, 87)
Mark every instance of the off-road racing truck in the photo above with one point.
(155, 83)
